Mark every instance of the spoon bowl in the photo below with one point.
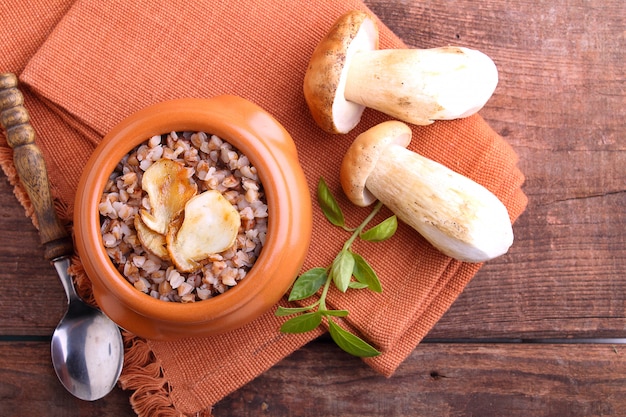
(87, 348)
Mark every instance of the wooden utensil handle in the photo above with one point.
(31, 168)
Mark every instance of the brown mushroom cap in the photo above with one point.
(361, 157)
(325, 79)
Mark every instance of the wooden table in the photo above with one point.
(523, 339)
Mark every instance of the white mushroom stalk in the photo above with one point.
(456, 215)
(420, 86)
(347, 73)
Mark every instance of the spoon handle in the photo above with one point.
(31, 168)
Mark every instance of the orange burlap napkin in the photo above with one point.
(104, 60)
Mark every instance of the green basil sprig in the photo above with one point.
(348, 270)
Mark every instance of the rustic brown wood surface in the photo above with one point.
(561, 103)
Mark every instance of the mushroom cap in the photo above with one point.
(361, 158)
(325, 78)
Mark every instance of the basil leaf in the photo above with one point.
(308, 283)
(287, 311)
(349, 342)
(365, 274)
(302, 323)
(335, 313)
(356, 285)
(382, 231)
(342, 268)
(328, 204)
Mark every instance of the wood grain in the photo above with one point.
(29, 387)
(29, 283)
(438, 379)
(561, 103)
(442, 380)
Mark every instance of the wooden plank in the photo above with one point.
(443, 380)
(29, 387)
(438, 379)
(29, 283)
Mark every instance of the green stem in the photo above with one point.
(347, 246)
(359, 229)
(322, 300)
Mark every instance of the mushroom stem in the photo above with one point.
(456, 215)
(420, 86)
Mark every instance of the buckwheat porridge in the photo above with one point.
(164, 244)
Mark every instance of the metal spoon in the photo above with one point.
(87, 348)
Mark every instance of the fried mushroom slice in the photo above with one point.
(152, 241)
(169, 187)
(210, 226)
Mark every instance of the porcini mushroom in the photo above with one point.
(347, 73)
(456, 215)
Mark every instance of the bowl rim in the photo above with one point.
(206, 115)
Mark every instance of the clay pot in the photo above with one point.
(270, 148)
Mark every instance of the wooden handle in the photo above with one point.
(31, 168)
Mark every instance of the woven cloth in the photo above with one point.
(85, 65)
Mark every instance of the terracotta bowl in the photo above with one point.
(270, 148)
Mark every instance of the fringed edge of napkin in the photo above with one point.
(144, 376)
